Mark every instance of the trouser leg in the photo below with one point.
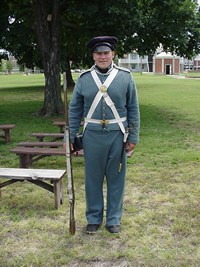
(95, 162)
(115, 182)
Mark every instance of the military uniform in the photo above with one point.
(103, 141)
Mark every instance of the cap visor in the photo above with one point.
(102, 48)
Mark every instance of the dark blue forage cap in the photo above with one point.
(102, 43)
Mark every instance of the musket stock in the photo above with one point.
(70, 187)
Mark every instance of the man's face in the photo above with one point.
(103, 59)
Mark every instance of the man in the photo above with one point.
(105, 97)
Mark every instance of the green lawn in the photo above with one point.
(161, 222)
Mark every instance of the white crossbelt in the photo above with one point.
(99, 95)
(108, 101)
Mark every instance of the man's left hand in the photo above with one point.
(129, 147)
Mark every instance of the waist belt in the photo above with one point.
(104, 121)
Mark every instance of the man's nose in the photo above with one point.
(102, 55)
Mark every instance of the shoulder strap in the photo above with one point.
(121, 68)
(86, 71)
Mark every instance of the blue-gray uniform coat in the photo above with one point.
(103, 144)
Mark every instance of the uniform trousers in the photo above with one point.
(103, 154)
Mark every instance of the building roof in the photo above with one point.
(166, 55)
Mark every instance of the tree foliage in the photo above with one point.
(53, 33)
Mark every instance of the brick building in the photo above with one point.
(166, 63)
(196, 66)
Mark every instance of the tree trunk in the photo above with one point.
(47, 30)
(70, 81)
(52, 96)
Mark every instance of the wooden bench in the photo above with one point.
(41, 136)
(6, 129)
(28, 155)
(60, 124)
(41, 144)
(37, 177)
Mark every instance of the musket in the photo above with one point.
(70, 186)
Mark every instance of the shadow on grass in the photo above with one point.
(31, 202)
(157, 118)
(17, 90)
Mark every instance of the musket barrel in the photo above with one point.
(70, 187)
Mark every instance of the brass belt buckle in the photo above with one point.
(104, 122)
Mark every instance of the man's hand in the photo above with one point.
(129, 146)
(71, 147)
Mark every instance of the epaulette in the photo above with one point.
(121, 68)
(86, 71)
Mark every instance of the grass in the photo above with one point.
(161, 221)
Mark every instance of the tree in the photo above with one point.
(32, 27)
(47, 27)
(143, 25)
(9, 66)
(174, 24)
(60, 30)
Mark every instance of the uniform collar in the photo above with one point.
(109, 69)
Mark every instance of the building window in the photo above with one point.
(134, 56)
(133, 66)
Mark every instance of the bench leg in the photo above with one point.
(7, 135)
(40, 139)
(61, 192)
(25, 160)
(57, 193)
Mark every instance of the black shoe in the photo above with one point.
(92, 228)
(113, 229)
